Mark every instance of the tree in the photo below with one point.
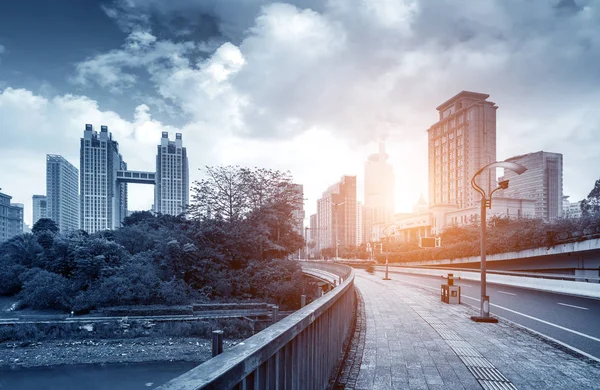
(591, 205)
(138, 217)
(44, 224)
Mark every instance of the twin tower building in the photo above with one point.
(104, 178)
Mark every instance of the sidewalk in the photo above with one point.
(413, 341)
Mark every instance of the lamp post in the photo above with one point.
(486, 202)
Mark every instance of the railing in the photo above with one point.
(299, 352)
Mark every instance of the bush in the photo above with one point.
(45, 290)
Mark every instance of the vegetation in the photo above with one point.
(232, 247)
(504, 235)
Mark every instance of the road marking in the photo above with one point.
(465, 285)
(540, 320)
(576, 307)
(507, 293)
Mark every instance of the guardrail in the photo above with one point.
(299, 352)
(551, 285)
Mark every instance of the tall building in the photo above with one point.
(11, 218)
(62, 193)
(40, 208)
(542, 182)
(359, 224)
(379, 192)
(336, 215)
(461, 143)
(171, 192)
(103, 197)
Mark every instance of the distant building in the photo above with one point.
(40, 208)
(359, 224)
(312, 234)
(460, 143)
(103, 197)
(431, 221)
(379, 192)
(62, 192)
(336, 215)
(11, 218)
(542, 182)
(571, 209)
(171, 192)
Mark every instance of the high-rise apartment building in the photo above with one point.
(336, 215)
(461, 143)
(379, 192)
(359, 224)
(40, 208)
(62, 192)
(103, 197)
(171, 192)
(542, 182)
(11, 218)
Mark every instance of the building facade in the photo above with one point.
(542, 182)
(62, 192)
(460, 143)
(11, 218)
(336, 215)
(379, 192)
(40, 208)
(171, 192)
(103, 197)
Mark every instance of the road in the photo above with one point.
(570, 320)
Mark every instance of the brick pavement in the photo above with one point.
(414, 341)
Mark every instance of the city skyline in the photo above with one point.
(132, 70)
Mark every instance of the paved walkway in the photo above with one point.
(413, 341)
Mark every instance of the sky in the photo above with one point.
(309, 86)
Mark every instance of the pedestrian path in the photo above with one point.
(414, 341)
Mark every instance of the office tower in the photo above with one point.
(336, 214)
(379, 192)
(40, 208)
(298, 214)
(11, 218)
(359, 224)
(460, 143)
(103, 197)
(171, 192)
(542, 182)
(62, 193)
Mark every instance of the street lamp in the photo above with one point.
(486, 201)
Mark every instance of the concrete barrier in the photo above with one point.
(583, 289)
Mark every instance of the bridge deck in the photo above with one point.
(413, 341)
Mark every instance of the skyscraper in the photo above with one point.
(379, 192)
(542, 182)
(460, 143)
(11, 218)
(103, 197)
(171, 191)
(62, 193)
(336, 214)
(40, 208)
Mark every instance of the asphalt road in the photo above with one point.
(570, 320)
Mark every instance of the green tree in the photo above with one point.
(591, 204)
(44, 224)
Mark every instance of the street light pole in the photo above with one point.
(485, 203)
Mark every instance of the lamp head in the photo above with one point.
(503, 184)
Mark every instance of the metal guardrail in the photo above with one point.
(299, 352)
(577, 278)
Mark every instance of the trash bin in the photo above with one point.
(445, 293)
(454, 294)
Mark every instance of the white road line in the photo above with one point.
(540, 320)
(465, 285)
(507, 293)
(576, 307)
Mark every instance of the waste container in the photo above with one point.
(450, 292)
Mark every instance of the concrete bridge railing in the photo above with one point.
(299, 352)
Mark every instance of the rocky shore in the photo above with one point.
(109, 351)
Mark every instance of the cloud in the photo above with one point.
(113, 70)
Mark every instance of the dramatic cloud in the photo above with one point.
(317, 82)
